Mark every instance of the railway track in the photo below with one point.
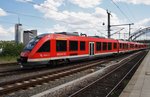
(7, 64)
(17, 70)
(11, 86)
(26, 82)
(108, 84)
(8, 71)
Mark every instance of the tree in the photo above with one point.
(11, 48)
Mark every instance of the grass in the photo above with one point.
(8, 59)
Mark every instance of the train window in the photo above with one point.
(131, 45)
(136, 46)
(73, 45)
(120, 46)
(109, 46)
(61, 45)
(115, 45)
(31, 44)
(45, 47)
(82, 45)
(104, 46)
(126, 46)
(123, 46)
(98, 46)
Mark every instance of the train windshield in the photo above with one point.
(33, 42)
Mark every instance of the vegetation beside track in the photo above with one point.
(9, 51)
(8, 59)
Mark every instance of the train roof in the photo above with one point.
(81, 38)
(68, 33)
(76, 36)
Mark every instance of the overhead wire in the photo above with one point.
(18, 13)
(33, 16)
(131, 12)
(13, 23)
(121, 11)
(34, 3)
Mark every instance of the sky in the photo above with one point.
(83, 16)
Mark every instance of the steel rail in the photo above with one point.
(102, 77)
(32, 81)
(125, 76)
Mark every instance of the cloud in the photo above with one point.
(7, 33)
(146, 2)
(57, 28)
(86, 3)
(50, 4)
(144, 23)
(2, 12)
(75, 21)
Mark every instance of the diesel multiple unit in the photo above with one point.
(52, 48)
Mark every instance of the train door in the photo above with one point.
(91, 48)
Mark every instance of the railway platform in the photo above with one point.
(139, 85)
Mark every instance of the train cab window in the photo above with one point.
(104, 45)
(73, 45)
(82, 45)
(115, 45)
(98, 46)
(61, 45)
(45, 47)
(109, 46)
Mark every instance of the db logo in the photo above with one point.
(41, 55)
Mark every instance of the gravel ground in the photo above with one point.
(9, 67)
(18, 76)
(40, 88)
(30, 72)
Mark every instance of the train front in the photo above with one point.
(30, 50)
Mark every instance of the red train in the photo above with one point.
(52, 48)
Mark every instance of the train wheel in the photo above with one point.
(67, 61)
(52, 63)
